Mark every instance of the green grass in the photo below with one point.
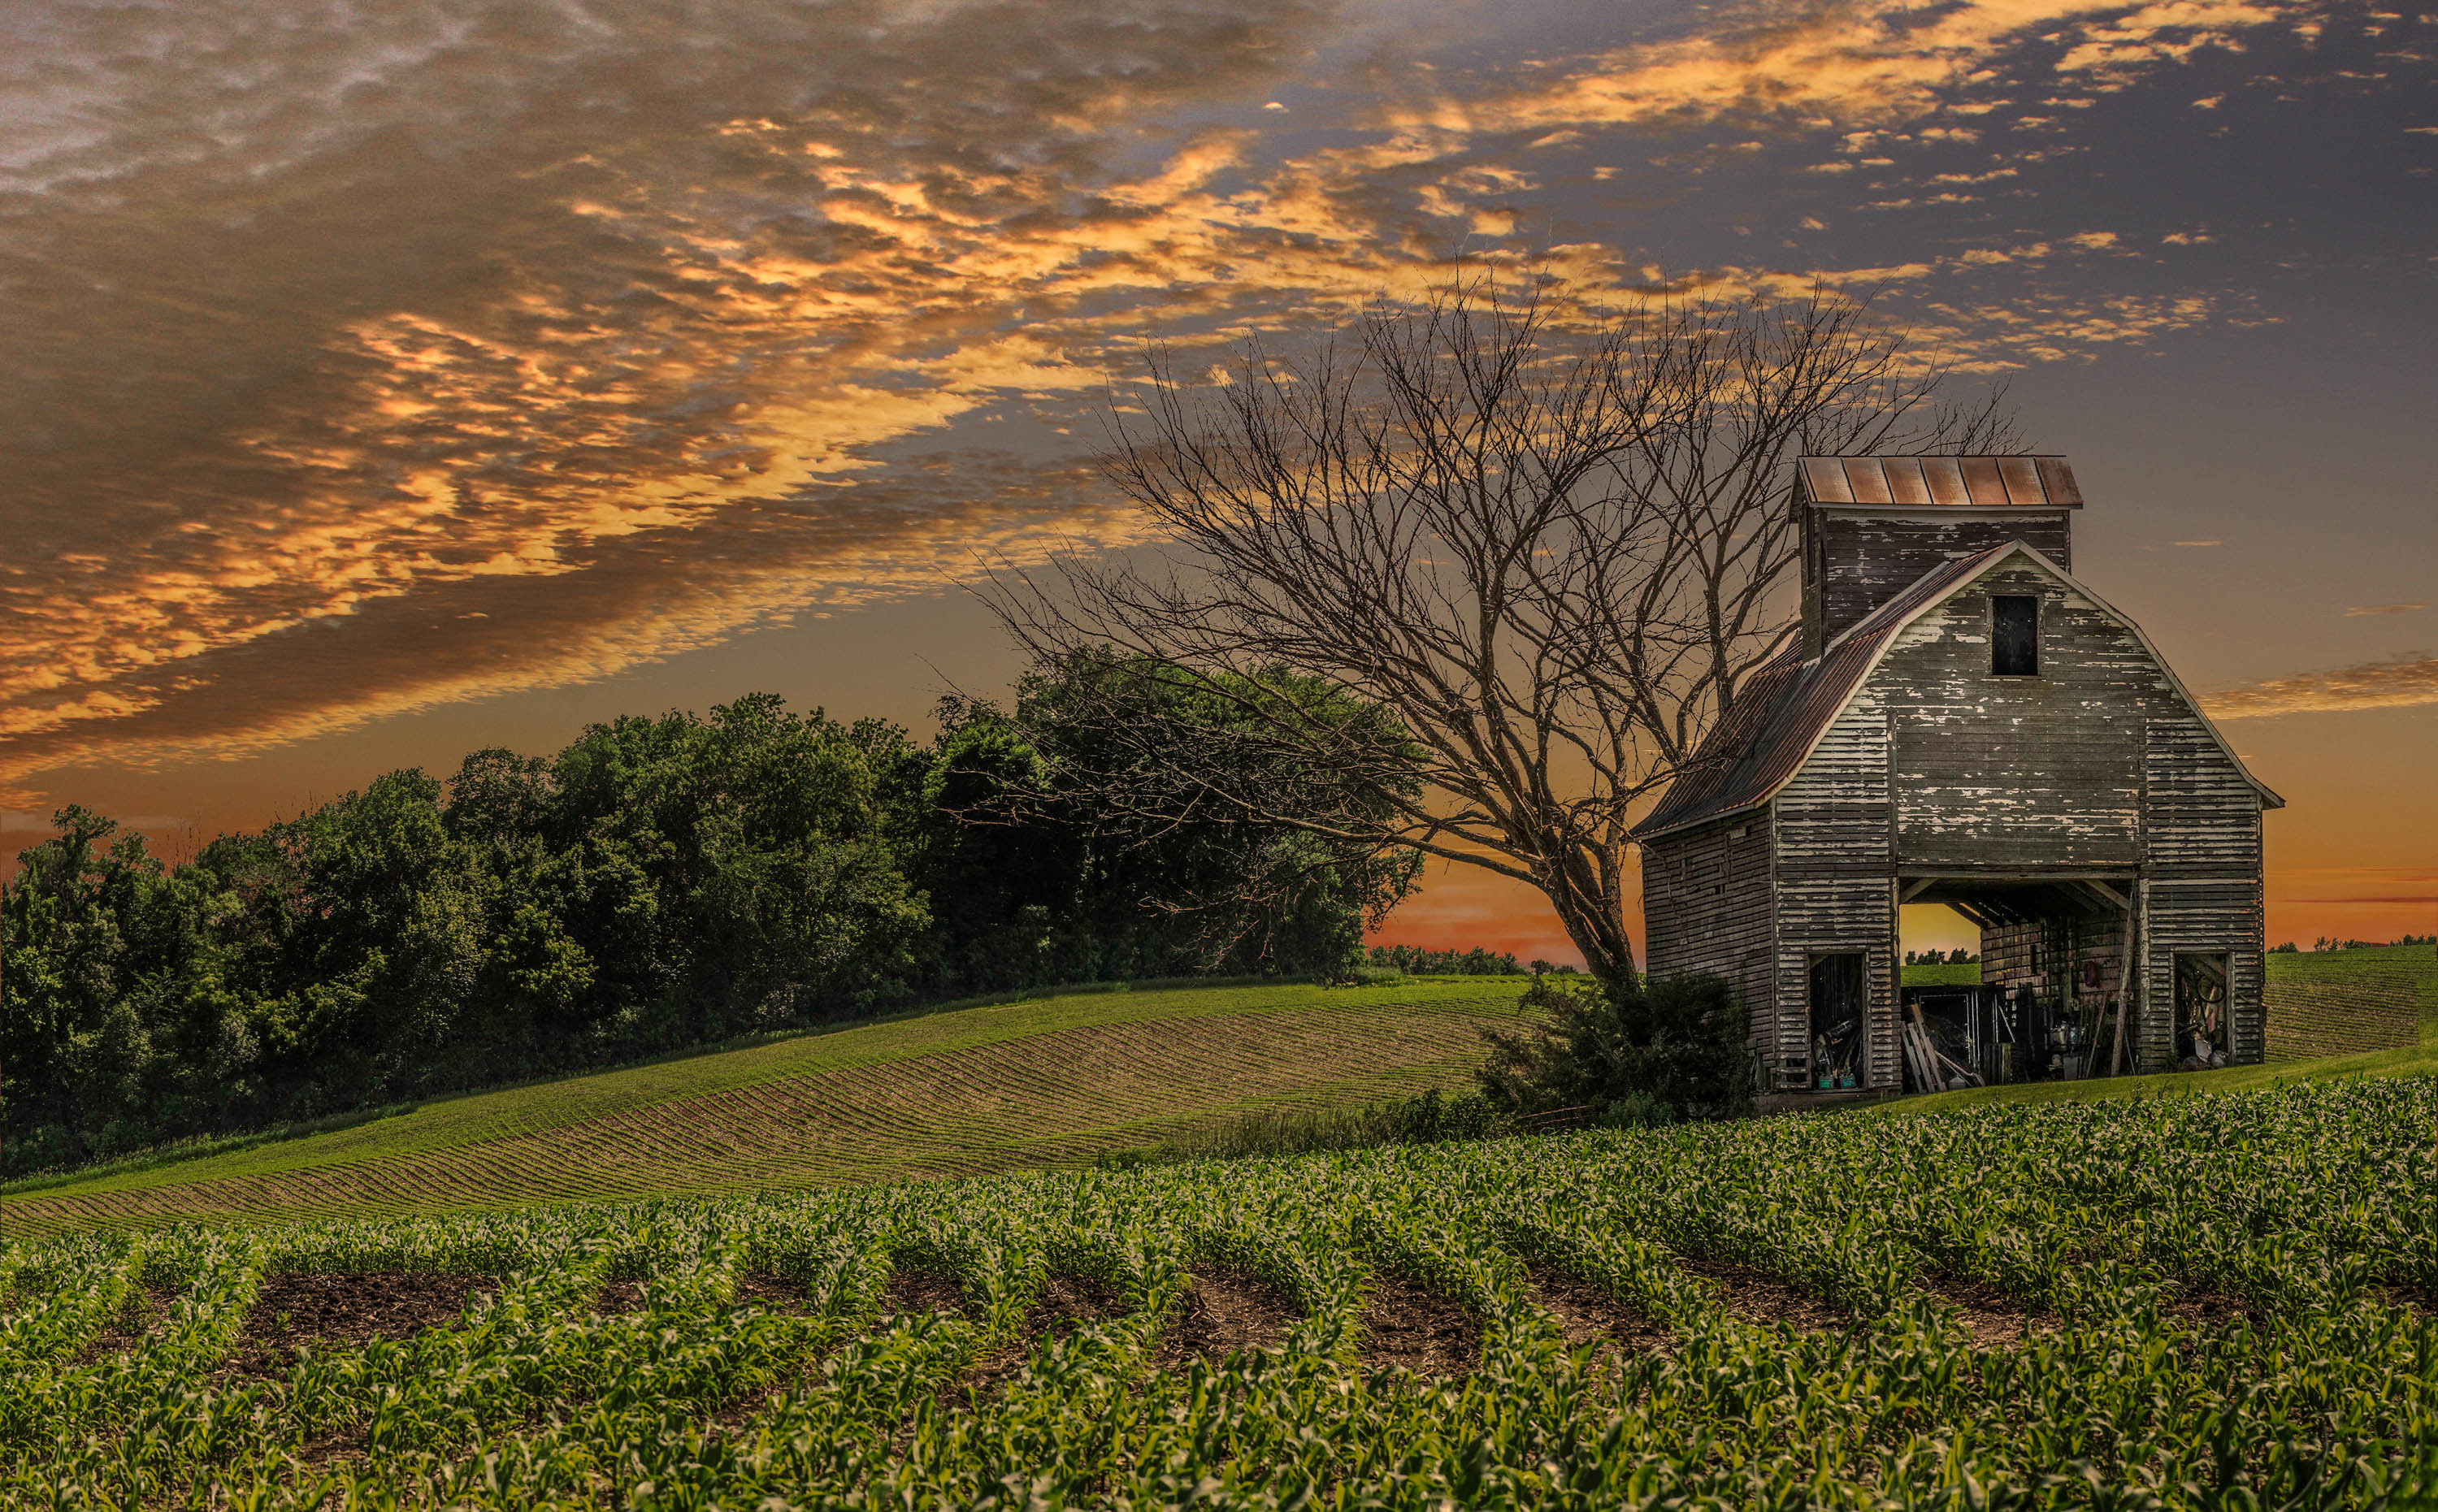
(1943, 974)
(1044, 1081)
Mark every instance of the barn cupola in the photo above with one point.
(1873, 526)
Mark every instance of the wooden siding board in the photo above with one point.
(2217, 916)
(2033, 772)
(2205, 818)
(1707, 908)
(1864, 561)
(1835, 892)
(1835, 914)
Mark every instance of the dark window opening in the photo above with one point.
(2015, 636)
(2202, 1023)
(1837, 1004)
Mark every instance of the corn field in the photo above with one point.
(2227, 1301)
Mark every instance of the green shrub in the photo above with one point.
(1679, 1043)
(1636, 1110)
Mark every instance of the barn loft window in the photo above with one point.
(2015, 635)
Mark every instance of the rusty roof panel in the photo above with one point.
(1982, 482)
(1945, 479)
(1962, 483)
(1863, 475)
(2022, 481)
(1905, 484)
(2057, 481)
(1823, 481)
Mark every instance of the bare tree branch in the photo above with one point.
(1551, 550)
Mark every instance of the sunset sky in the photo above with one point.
(383, 379)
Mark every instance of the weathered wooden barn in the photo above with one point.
(1963, 722)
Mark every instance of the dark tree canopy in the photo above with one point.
(662, 882)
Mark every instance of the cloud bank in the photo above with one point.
(364, 355)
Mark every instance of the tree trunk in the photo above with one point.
(1596, 926)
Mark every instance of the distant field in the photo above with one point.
(1046, 1081)
(1959, 973)
(2347, 1002)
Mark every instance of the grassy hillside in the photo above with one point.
(1047, 1082)
(1037, 1083)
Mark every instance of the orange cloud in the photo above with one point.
(2401, 682)
(1873, 63)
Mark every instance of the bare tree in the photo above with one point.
(1550, 546)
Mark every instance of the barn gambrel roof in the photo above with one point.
(1781, 714)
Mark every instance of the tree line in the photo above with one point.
(660, 882)
(1472, 582)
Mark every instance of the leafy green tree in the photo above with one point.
(1106, 868)
(660, 882)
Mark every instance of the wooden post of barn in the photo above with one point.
(2124, 981)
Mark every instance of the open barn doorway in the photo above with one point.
(2054, 994)
(1947, 1036)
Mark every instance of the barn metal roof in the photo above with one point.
(1780, 714)
(1933, 482)
(1783, 710)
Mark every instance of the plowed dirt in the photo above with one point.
(1768, 1298)
(1589, 1315)
(619, 1297)
(1224, 1311)
(342, 1307)
(1413, 1328)
(912, 1290)
(763, 1289)
(1996, 1319)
